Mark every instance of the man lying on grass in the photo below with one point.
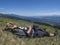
(30, 31)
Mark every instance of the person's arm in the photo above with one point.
(29, 30)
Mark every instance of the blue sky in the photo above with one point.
(30, 7)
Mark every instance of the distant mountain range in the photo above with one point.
(52, 20)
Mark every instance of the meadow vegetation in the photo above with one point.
(7, 38)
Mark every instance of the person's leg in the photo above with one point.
(52, 35)
(43, 34)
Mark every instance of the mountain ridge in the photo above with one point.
(52, 20)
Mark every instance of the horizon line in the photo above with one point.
(34, 15)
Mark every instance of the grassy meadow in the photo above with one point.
(7, 38)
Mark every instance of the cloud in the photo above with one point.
(48, 14)
(39, 14)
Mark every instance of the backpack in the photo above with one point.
(19, 32)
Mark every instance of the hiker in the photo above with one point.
(30, 31)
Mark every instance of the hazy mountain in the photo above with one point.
(52, 20)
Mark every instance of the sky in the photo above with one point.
(30, 7)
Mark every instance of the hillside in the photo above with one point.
(51, 20)
(7, 38)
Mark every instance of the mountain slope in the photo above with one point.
(7, 38)
(51, 20)
(54, 20)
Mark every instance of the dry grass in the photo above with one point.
(7, 38)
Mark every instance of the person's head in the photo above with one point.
(10, 25)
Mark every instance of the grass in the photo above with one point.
(7, 38)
